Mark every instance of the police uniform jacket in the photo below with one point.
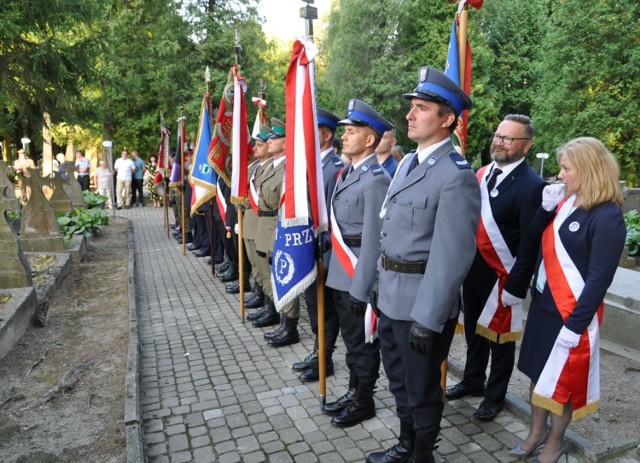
(356, 204)
(249, 218)
(431, 215)
(518, 199)
(331, 165)
(269, 195)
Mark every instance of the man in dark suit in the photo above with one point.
(511, 194)
(430, 216)
(355, 205)
(331, 165)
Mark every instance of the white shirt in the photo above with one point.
(506, 170)
(125, 168)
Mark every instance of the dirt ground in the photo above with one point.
(87, 327)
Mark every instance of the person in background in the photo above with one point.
(383, 151)
(22, 166)
(102, 179)
(152, 169)
(83, 166)
(396, 152)
(124, 168)
(137, 198)
(581, 232)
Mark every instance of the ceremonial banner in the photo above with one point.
(202, 177)
(261, 116)
(163, 151)
(452, 71)
(175, 180)
(241, 147)
(221, 140)
(303, 211)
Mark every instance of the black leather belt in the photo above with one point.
(267, 213)
(403, 266)
(353, 241)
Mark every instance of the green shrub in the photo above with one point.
(82, 222)
(632, 220)
(93, 199)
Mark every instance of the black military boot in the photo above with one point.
(334, 408)
(234, 288)
(399, 453)
(308, 361)
(313, 372)
(362, 408)
(423, 451)
(270, 316)
(231, 274)
(289, 335)
(261, 311)
(255, 299)
(222, 267)
(277, 331)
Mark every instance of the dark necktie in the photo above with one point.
(347, 171)
(414, 163)
(493, 178)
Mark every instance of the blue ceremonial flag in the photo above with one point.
(293, 266)
(202, 176)
(452, 68)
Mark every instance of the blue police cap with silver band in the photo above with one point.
(360, 113)
(327, 119)
(433, 85)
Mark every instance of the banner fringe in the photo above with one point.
(513, 336)
(459, 329)
(486, 333)
(238, 200)
(586, 410)
(547, 403)
(294, 222)
(295, 291)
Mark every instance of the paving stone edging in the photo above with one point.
(132, 412)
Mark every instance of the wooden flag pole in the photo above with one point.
(183, 187)
(212, 227)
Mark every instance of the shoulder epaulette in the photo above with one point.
(377, 169)
(338, 162)
(460, 162)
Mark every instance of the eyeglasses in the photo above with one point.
(507, 140)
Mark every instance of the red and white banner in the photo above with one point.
(496, 322)
(261, 116)
(304, 184)
(241, 140)
(221, 203)
(163, 151)
(569, 374)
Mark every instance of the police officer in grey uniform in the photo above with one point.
(430, 216)
(331, 166)
(358, 196)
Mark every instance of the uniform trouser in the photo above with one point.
(362, 358)
(478, 350)
(136, 190)
(123, 187)
(174, 198)
(414, 378)
(200, 235)
(227, 242)
(331, 321)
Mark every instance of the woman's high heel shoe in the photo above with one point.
(564, 450)
(519, 452)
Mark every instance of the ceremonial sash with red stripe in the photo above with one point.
(496, 322)
(569, 374)
(253, 193)
(345, 255)
(222, 204)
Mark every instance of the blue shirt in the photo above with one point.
(139, 173)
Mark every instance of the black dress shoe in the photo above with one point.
(462, 390)
(355, 413)
(222, 267)
(333, 408)
(208, 261)
(257, 314)
(306, 363)
(192, 247)
(228, 277)
(267, 319)
(234, 288)
(202, 253)
(488, 410)
(253, 300)
(313, 372)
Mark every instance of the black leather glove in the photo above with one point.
(373, 294)
(358, 307)
(421, 338)
(322, 246)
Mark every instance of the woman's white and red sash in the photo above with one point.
(569, 374)
(496, 322)
(253, 193)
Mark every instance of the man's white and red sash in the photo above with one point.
(569, 374)
(496, 322)
(222, 204)
(253, 193)
(345, 255)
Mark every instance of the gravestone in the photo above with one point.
(15, 271)
(71, 186)
(59, 199)
(39, 230)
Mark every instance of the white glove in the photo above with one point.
(552, 195)
(236, 229)
(509, 299)
(568, 338)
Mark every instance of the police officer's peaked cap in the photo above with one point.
(263, 134)
(278, 128)
(327, 119)
(433, 85)
(360, 113)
